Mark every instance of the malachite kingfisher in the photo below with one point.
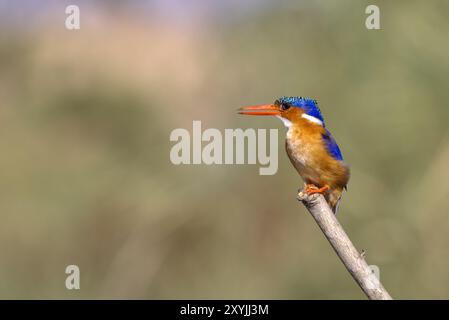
(310, 146)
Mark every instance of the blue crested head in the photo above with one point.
(310, 106)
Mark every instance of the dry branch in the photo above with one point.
(351, 258)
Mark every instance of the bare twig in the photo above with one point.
(351, 258)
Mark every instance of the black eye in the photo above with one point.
(284, 106)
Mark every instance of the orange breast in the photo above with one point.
(308, 154)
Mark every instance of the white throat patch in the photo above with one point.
(286, 122)
(312, 119)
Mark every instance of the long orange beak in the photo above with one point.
(261, 110)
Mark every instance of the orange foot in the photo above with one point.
(312, 189)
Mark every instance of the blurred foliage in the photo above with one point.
(86, 179)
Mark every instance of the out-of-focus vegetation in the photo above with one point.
(85, 174)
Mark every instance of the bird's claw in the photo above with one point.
(312, 189)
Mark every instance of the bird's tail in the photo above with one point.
(333, 199)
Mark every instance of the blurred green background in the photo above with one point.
(85, 118)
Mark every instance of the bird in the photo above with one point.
(310, 146)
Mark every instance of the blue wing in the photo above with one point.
(332, 146)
